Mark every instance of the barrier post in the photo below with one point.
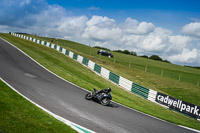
(146, 68)
(162, 73)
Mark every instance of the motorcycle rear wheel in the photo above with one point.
(88, 96)
(105, 101)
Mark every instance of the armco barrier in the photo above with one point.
(60, 50)
(75, 56)
(114, 77)
(67, 52)
(105, 73)
(80, 59)
(91, 65)
(140, 90)
(154, 96)
(125, 83)
(57, 47)
(71, 54)
(85, 61)
(97, 68)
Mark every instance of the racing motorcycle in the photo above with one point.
(102, 98)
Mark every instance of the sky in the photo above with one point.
(167, 28)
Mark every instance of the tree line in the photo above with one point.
(153, 57)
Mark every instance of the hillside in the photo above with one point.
(178, 81)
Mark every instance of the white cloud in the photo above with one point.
(142, 37)
(153, 43)
(101, 21)
(132, 26)
(72, 26)
(17, 13)
(132, 40)
(4, 28)
(94, 8)
(186, 56)
(178, 43)
(192, 29)
(157, 40)
(100, 28)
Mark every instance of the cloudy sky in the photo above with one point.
(170, 28)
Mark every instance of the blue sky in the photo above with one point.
(168, 28)
(166, 13)
(187, 5)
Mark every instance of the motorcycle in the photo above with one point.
(102, 98)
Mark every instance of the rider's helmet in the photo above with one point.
(109, 89)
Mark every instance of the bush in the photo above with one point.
(126, 52)
(133, 53)
(166, 61)
(119, 51)
(144, 56)
(155, 57)
(196, 67)
(102, 48)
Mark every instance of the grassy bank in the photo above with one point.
(78, 74)
(19, 115)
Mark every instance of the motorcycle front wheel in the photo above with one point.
(88, 96)
(105, 101)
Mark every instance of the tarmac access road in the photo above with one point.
(67, 100)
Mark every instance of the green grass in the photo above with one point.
(83, 77)
(19, 115)
(167, 83)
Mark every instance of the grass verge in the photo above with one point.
(83, 77)
(19, 115)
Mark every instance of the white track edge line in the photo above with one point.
(198, 131)
(67, 122)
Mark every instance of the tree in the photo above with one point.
(144, 56)
(133, 53)
(166, 61)
(155, 57)
(102, 48)
(126, 52)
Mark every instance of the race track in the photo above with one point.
(67, 100)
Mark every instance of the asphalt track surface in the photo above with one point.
(67, 100)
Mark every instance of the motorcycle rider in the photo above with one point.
(108, 90)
